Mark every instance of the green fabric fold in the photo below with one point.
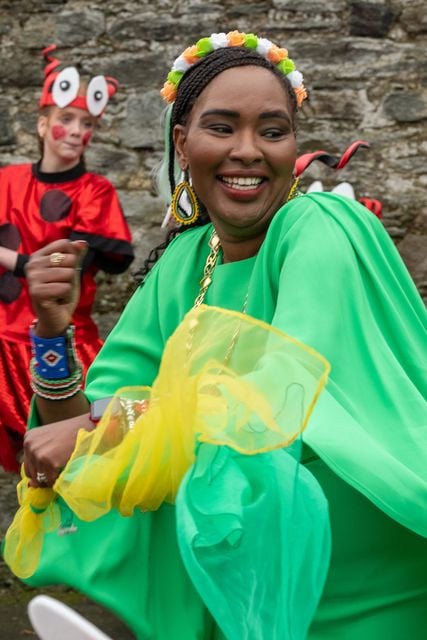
(254, 535)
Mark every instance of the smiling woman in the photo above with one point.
(241, 159)
(201, 505)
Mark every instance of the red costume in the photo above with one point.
(35, 209)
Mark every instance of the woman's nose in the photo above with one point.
(245, 148)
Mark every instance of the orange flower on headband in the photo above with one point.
(236, 39)
(190, 54)
(301, 94)
(168, 92)
(275, 54)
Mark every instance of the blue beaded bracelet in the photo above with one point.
(54, 358)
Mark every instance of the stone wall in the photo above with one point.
(364, 63)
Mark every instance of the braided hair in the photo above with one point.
(194, 81)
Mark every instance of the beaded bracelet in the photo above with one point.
(55, 384)
(54, 357)
(48, 395)
(56, 372)
(55, 389)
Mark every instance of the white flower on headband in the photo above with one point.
(181, 64)
(295, 78)
(263, 46)
(219, 40)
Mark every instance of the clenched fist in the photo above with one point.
(53, 276)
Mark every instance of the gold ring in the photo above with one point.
(56, 258)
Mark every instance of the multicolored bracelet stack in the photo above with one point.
(56, 372)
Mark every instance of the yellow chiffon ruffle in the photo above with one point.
(226, 379)
(38, 514)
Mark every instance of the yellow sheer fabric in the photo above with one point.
(226, 379)
(38, 514)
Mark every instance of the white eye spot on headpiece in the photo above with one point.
(66, 87)
(97, 95)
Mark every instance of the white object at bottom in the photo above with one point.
(54, 620)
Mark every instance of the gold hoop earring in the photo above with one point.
(293, 191)
(185, 208)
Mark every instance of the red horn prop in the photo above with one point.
(330, 160)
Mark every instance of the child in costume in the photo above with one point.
(188, 512)
(51, 199)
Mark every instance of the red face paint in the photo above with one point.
(58, 132)
(87, 137)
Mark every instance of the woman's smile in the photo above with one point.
(242, 187)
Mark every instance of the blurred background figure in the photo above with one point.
(52, 199)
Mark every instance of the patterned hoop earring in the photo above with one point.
(184, 205)
(293, 191)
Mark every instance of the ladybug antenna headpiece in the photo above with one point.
(62, 88)
(51, 62)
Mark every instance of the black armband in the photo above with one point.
(21, 261)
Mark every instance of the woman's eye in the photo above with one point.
(220, 128)
(274, 133)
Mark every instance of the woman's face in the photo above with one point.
(240, 148)
(65, 134)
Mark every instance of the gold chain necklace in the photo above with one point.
(215, 246)
(211, 260)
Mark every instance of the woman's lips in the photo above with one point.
(242, 187)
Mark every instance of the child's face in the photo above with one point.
(65, 134)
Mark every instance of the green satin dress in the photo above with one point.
(329, 275)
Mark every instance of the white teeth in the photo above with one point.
(240, 182)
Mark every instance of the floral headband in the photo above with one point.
(205, 46)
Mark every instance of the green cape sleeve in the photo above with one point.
(329, 275)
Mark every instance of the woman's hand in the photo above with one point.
(53, 276)
(47, 449)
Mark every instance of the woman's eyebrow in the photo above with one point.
(235, 114)
(220, 112)
(275, 114)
